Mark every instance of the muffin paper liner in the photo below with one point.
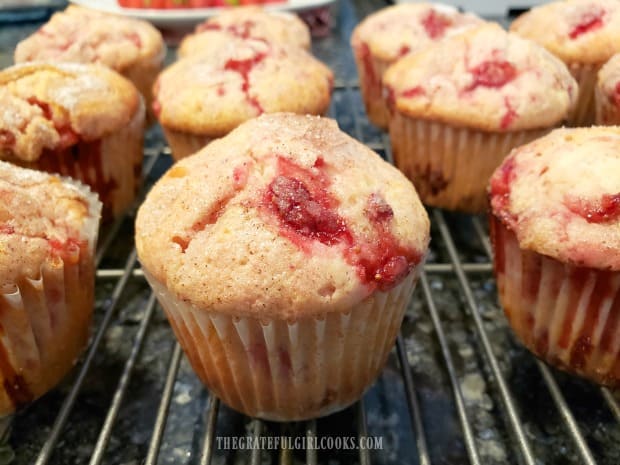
(143, 75)
(289, 370)
(371, 86)
(451, 166)
(111, 166)
(46, 321)
(567, 315)
(183, 144)
(607, 112)
(586, 77)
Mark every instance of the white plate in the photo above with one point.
(493, 9)
(187, 17)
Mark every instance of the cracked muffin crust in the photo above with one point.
(244, 23)
(483, 92)
(293, 228)
(485, 78)
(131, 47)
(84, 121)
(48, 231)
(555, 210)
(393, 32)
(560, 196)
(203, 97)
(582, 33)
(607, 93)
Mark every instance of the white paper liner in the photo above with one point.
(143, 74)
(569, 316)
(46, 321)
(284, 371)
(122, 155)
(607, 113)
(450, 166)
(372, 88)
(119, 165)
(184, 144)
(583, 114)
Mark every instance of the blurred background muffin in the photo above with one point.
(247, 23)
(393, 32)
(460, 106)
(203, 97)
(83, 121)
(582, 33)
(607, 93)
(132, 47)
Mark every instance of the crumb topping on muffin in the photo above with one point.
(247, 23)
(52, 106)
(609, 80)
(290, 217)
(88, 36)
(406, 28)
(581, 31)
(42, 219)
(560, 196)
(212, 94)
(485, 78)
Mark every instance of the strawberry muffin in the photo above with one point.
(582, 33)
(607, 93)
(48, 231)
(203, 97)
(246, 23)
(131, 47)
(392, 32)
(460, 106)
(555, 213)
(284, 255)
(83, 121)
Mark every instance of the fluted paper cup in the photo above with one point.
(289, 370)
(370, 70)
(568, 316)
(183, 144)
(583, 114)
(607, 112)
(111, 165)
(451, 166)
(46, 321)
(143, 75)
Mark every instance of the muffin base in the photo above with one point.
(285, 371)
(583, 115)
(370, 70)
(111, 166)
(450, 166)
(46, 321)
(183, 144)
(568, 316)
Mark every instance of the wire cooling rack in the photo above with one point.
(457, 388)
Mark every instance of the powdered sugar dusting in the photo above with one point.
(88, 36)
(83, 83)
(447, 9)
(41, 103)
(484, 78)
